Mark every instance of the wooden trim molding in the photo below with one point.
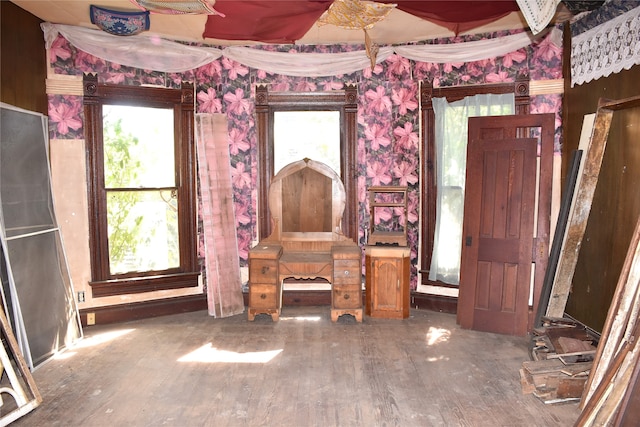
(520, 88)
(440, 303)
(65, 85)
(144, 309)
(345, 101)
(141, 284)
(546, 87)
(185, 304)
(181, 102)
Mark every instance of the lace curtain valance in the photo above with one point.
(606, 49)
(153, 53)
(538, 13)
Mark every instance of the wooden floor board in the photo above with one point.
(194, 370)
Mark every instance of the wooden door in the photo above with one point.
(503, 209)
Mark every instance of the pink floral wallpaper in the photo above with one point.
(388, 113)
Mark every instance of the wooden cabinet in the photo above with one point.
(387, 281)
(265, 286)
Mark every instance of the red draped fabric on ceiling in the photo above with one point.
(458, 16)
(288, 21)
(263, 21)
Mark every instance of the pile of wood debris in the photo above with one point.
(562, 353)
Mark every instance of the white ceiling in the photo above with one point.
(398, 27)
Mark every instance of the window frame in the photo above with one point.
(182, 102)
(345, 101)
(520, 88)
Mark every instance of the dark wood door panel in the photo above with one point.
(504, 186)
(502, 250)
(504, 242)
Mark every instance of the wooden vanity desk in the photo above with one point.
(306, 202)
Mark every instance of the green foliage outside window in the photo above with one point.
(121, 168)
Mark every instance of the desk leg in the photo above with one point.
(355, 312)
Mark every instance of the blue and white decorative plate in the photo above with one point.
(120, 23)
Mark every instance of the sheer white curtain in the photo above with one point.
(451, 161)
(151, 52)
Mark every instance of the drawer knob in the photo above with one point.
(264, 269)
(263, 296)
(346, 296)
(346, 272)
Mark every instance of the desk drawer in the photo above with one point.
(263, 296)
(346, 272)
(346, 296)
(263, 271)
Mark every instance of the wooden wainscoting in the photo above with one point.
(144, 309)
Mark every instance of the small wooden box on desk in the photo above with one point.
(387, 281)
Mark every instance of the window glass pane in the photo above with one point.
(143, 230)
(312, 134)
(450, 248)
(138, 147)
(454, 151)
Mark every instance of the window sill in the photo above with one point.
(434, 287)
(143, 284)
(438, 290)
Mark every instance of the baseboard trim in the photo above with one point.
(441, 303)
(144, 309)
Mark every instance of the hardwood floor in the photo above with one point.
(194, 370)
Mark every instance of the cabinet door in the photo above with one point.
(387, 283)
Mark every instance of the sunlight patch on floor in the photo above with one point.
(437, 335)
(102, 338)
(91, 341)
(63, 355)
(209, 354)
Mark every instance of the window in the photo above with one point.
(141, 188)
(288, 127)
(322, 138)
(430, 188)
(451, 159)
